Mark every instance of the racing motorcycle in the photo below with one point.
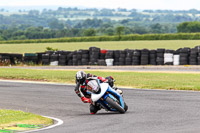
(107, 97)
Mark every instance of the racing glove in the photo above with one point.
(86, 100)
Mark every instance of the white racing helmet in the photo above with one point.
(80, 77)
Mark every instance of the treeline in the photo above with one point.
(23, 32)
(65, 18)
(132, 37)
(46, 33)
(74, 22)
(189, 27)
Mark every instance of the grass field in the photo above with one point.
(150, 80)
(13, 117)
(117, 45)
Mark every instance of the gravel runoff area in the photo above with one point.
(117, 68)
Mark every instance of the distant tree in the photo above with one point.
(74, 32)
(119, 31)
(189, 27)
(89, 32)
(33, 12)
(156, 28)
(122, 9)
(109, 31)
(140, 30)
(125, 21)
(149, 11)
(91, 23)
(23, 26)
(56, 25)
(193, 11)
(1, 38)
(133, 10)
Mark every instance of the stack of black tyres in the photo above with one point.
(136, 57)
(198, 59)
(31, 58)
(193, 56)
(63, 58)
(50, 52)
(160, 56)
(45, 59)
(109, 54)
(184, 56)
(16, 58)
(122, 57)
(152, 57)
(70, 59)
(128, 59)
(5, 59)
(54, 58)
(79, 57)
(85, 57)
(116, 57)
(94, 55)
(1, 59)
(198, 54)
(74, 58)
(101, 60)
(103, 54)
(40, 57)
(144, 57)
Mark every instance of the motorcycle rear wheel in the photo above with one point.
(114, 105)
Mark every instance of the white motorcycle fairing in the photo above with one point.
(96, 97)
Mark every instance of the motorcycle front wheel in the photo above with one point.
(114, 105)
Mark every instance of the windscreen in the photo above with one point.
(93, 86)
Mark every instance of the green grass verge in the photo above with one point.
(112, 45)
(13, 117)
(150, 80)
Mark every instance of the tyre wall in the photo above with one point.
(97, 56)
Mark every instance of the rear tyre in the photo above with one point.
(114, 105)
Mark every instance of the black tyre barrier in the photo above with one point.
(153, 56)
(96, 56)
(160, 56)
(193, 56)
(31, 58)
(62, 60)
(136, 57)
(184, 56)
(144, 57)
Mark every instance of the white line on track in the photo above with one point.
(33, 82)
(59, 122)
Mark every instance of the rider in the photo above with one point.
(81, 88)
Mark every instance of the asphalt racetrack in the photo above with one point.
(150, 111)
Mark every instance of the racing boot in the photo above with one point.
(94, 109)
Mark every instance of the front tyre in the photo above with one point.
(114, 105)
(125, 107)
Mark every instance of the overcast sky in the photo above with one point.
(129, 4)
